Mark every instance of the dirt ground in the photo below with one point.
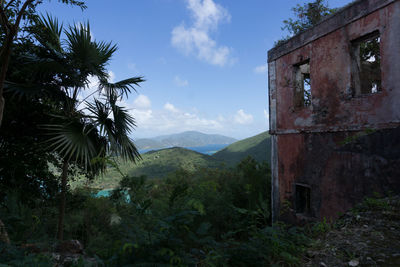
(368, 235)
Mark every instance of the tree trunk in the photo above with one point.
(2, 103)
(3, 234)
(64, 176)
(11, 32)
(4, 67)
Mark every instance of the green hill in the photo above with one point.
(158, 164)
(259, 147)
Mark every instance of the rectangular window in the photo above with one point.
(366, 64)
(303, 199)
(302, 84)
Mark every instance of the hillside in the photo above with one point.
(185, 139)
(158, 164)
(258, 147)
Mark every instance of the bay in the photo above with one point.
(207, 150)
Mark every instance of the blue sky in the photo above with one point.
(204, 61)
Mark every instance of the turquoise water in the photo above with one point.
(104, 193)
(208, 150)
(107, 193)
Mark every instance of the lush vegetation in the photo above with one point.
(161, 163)
(259, 147)
(207, 218)
(47, 72)
(153, 164)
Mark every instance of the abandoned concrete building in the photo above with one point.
(334, 100)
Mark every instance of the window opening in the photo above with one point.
(366, 76)
(302, 84)
(303, 199)
(307, 89)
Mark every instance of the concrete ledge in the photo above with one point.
(333, 129)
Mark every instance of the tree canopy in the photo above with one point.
(305, 17)
(12, 13)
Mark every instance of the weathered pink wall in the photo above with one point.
(309, 140)
(329, 56)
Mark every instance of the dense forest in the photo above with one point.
(54, 143)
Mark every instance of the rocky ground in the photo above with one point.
(368, 235)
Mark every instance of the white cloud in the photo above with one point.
(168, 106)
(196, 39)
(242, 118)
(170, 120)
(180, 82)
(207, 14)
(92, 86)
(266, 115)
(261, 69)
(142, 117)
(90, 92)
(142, 102)
(111, 76)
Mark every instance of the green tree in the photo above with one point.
(12, 13)
(82, 131)
(306, 16)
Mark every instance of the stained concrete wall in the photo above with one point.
(309, 142)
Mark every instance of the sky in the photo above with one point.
(204, 61)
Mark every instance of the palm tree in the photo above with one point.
(12, 13)
(84, 130)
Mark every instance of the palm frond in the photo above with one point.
(48, 32)
(31, 90)
(44, 66)
(21, 90)
(99, 113)
(73, 139)
(89, 57)
(115, 128)
(120, 88)
(124, 122)
(120, 143)
(127, 149)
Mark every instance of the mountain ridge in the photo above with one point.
(184, 139)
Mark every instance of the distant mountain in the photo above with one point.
(185, 139)
(259, 147)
